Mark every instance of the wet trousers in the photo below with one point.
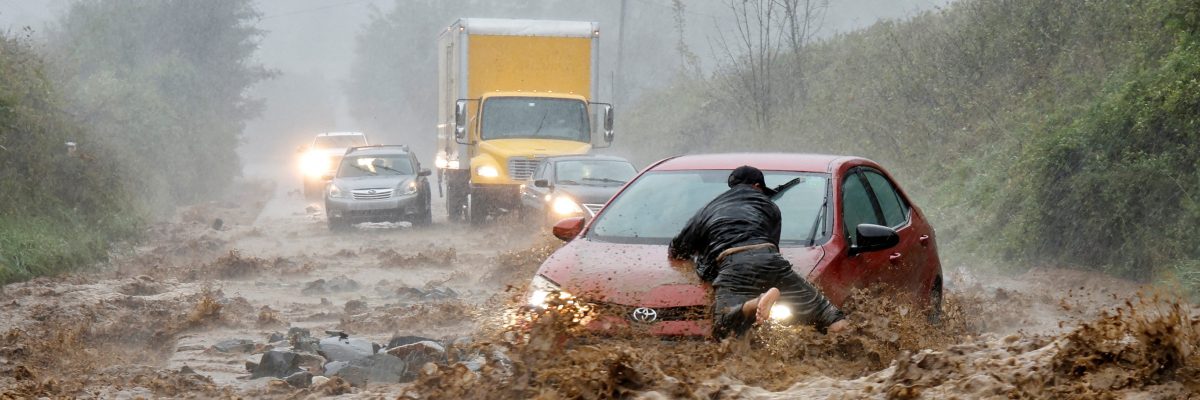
(746, 275)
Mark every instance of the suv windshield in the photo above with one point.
(339, 141)
(372, 165)
(533, 117)
(593, 172)
(657, 205)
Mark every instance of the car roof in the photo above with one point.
(340, 134)
(763, 161)
(379, 149)
(580, 157)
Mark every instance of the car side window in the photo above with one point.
(857, 207)
(895, 212)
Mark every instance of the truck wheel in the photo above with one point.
(456, 199)
(479, 210)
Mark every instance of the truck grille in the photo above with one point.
(371, 194)
(520, 169)
(592, 209)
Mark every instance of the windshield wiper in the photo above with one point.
(392, 169)
(543, 121)
(784, 187)
(364, 169)
(567, 182)
(812, 235)
(605, 180)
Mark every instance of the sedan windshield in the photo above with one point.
(532, 117)
(339, 141)
(593, 172)
(654, 208)
(372, 165)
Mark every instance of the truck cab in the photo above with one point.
(513, 92)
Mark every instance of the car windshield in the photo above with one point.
(339, 141)
(372, 165)
(593, 172)
(532, 117)
(654, 208)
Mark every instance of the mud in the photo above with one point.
(148, 324)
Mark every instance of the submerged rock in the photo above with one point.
(346, 349)
(376, 369)
(276, 364)
(234, 346)
(300, 379)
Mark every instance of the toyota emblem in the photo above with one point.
(372, 191)
(644, 315)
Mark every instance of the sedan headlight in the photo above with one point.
(335, 191)
(564, 205)
(780, 313)
(541, 288)
(487, 171)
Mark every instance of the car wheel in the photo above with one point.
(478, 211)
(424, 218)
(935, 302)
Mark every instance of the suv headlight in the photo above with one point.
(565, 205)
(335, 191)
(408, 187)
(540, 288)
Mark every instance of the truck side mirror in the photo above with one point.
(460, 120)
(608, 123)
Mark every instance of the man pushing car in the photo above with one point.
(735, 241)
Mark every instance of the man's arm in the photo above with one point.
(690, 238)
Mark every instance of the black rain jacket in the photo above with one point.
(739, 217)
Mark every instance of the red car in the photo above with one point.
(846, 225)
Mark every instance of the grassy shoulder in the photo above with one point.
(32, 246)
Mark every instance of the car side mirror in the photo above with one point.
(608, 123)
(425, 172)
(871, 237)
(568, 229)
(460, 120)
(542, 183)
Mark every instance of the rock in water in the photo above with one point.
(376, 369)
(347, 349)
(300, 379)
(234, 345)
(276, 364)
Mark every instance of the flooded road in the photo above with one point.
(192, 310)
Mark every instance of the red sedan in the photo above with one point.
(846, 225)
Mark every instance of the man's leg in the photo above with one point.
(808, 304)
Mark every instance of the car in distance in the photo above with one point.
(574, 186)
(378, 183)
(846, 225)
(319, 159)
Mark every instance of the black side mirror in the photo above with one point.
(542, 183)
(425, 172)
(871, 237)
(460, 120)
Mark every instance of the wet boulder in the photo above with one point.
(420, 353)
(334, 285)
(234, 346)
(332, 367)
(376, 369)
(341, 348)
(276, 364)
(300, 379)
(399, 340)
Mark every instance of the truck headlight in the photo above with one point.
(564, 205)
(487, 171)
(452, 164)
(314, 164)
(335, 191)
(541, 288)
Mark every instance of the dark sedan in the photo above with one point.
(574, 186)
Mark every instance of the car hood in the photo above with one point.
(371, 182)
(638, 274)
(588, 194)
(533, 147)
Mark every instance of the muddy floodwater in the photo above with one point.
(193, 311)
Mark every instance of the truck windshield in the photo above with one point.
(534, 117)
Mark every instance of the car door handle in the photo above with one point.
(894, 257)
(924, 239)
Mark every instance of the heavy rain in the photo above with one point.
(446, 199)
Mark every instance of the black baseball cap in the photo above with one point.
(747, 175)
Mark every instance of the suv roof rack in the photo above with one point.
(377, 146)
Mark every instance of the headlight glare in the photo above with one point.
(335, 191)
(780, 312)
(540, 289)
(487, 171)
(564, 205)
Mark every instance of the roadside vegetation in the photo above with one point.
(1033, 132)
(153, 95)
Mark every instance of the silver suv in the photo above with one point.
(378, 183)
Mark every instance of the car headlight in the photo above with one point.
(780, 313)
(540, 288)
(408, 187)
(335, 191)
(487, 171)
(314, 164)
(564, 205)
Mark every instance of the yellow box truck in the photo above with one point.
(512, 92)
